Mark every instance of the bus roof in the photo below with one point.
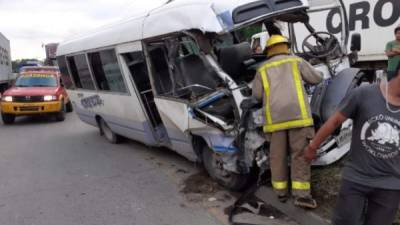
(215, 16)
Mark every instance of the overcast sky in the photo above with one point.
(30, 23)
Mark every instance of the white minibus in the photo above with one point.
(179, 76)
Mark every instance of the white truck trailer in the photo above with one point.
(5, 63)
(374, 20)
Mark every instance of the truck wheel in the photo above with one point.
(213, 164)
(8, 118)
(69, 107)
(60, 116)
(108, 133)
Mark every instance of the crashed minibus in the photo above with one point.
(179, 76)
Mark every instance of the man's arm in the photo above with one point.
(309, 74)
(348, 108)
(393, 52)
(390, 51)
(323, 133)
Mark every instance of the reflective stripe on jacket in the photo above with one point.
(279, 83)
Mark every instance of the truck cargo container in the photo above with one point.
(374, 20)
(5, 63)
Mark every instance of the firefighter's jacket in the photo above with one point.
(279, 84)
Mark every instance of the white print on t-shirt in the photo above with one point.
(385, 134)
(380, 136)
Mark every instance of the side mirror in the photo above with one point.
(355, 42)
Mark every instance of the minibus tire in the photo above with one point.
(230, 180)
(105, 130)
(69, 107)
(8, 118)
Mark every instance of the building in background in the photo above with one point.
(51, 50)
(5, 63)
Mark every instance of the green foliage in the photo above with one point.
(246, 33)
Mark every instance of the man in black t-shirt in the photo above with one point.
(370, 189)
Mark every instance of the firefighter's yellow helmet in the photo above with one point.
(276, 39)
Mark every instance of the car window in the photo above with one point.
(36, 81)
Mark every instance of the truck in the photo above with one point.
(51, 50)
(374, 20)
(5, 63)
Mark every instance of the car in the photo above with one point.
(35, 92)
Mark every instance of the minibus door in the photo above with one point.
(136, 64)
(172, 98)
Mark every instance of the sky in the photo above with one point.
(29, 24)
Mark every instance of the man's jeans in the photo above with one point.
(362, 205)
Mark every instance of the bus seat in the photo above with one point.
(195, 71)
(232, 59)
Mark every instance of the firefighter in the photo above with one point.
(288, 121)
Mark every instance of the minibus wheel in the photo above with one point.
(213, 164)
(8, 118)
(108, 133)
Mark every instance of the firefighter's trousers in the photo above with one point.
(291, 143)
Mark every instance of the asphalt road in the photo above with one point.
(65, 173)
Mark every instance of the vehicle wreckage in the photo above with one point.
(200, 68)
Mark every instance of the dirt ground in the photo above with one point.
(325, 180)
(200, 188)
(326, 183)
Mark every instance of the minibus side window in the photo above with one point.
(106, 71)
(138, 69)
(162, 80)
(74, 72)
(179, 69)
(80, 72)
(65, 76)
(191, 67)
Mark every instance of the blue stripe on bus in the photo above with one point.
(128, 127)
(224, 148)
(179, 140)
(117, 124)
(207, 102)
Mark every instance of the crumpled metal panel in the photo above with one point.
(336, 91)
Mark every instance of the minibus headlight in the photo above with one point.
(49, 98)
(7, 98)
